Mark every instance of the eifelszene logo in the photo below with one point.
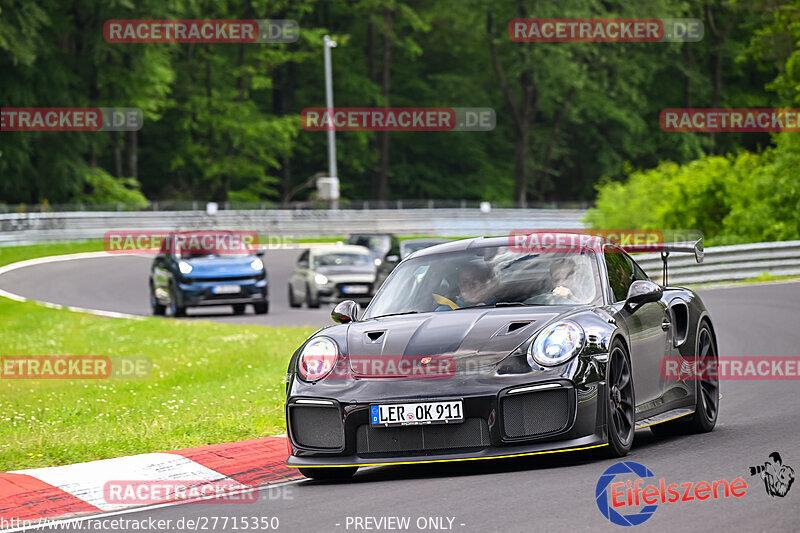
(607, 508)
(614, 496)
(778, 477)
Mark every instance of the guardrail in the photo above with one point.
(25, 228)
(198, 205)
(727, 263)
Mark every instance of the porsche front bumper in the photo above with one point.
(504, 416)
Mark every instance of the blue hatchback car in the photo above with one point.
(189, 273)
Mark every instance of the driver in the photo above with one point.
(475, 284)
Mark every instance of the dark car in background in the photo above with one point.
(379, 244)
(400, 251)
(199, 276)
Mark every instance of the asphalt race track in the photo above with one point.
(119, 283)
(546, 493)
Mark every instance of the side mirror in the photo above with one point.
(392, 259)
(345, 312)
(641, 292)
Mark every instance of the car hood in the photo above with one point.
(472, 337)
(335, 272)
(221, 267)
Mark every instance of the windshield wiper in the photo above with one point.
(397, 314)
(498, 304)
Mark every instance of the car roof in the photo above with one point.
(191, 231)
(595, 244)
(376, 234)
(404, 241)
(339, 248)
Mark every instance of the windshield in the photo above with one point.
(342, 259)
(378, 244)
(487, 277)
(208, 245)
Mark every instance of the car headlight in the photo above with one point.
(257, 264)
(184, 267)
(556, 344)
(317, 359)
(320, 279)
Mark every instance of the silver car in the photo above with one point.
(331, 274)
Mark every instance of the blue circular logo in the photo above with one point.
(602, 497)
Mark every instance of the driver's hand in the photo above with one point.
(563, 292)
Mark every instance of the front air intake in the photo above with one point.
(441, 438)
(537, 413)
(318, 427)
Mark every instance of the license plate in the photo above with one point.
(405, 414)
(355, 289)
(226, 289)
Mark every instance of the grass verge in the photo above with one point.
(210, 382)
(12, 254)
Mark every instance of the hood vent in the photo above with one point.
(513, 327)
(375, 336)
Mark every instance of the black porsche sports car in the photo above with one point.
(476, 349)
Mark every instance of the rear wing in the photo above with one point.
(685, 247)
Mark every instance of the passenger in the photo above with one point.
(562, 275)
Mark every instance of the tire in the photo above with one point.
(261, 308)
(706, 409)
(329, 474)
(311, 303)
(292, 302)
(177, 310)
(157, 308)
(619, 402)
(706, 394)
(238, 309)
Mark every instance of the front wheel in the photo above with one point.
(157, 308)
(292, 301)
(238, 309)
(706, 400)
(261, 308)
(329, 474)
(177, 310)
(619, 402)
(311, 302)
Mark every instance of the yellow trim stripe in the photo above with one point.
(452, 460)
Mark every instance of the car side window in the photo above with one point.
(638, 273)
(620, 272)
(303, 260)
